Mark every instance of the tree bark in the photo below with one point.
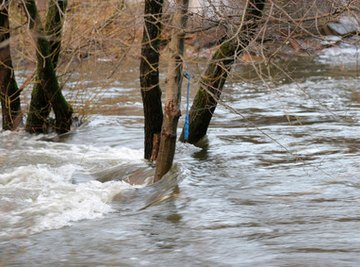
(173, 91)
(47, 92)
(149, 77)
(53, 27)
(215, 75)
(10, 93)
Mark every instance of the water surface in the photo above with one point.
(276, 183)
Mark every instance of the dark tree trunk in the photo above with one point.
(38, 116)
(149, 77)
(215, 75)
(172, 110)
(47, 92)
(53, 27)
(10, 93)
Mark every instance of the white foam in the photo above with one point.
(90, 157)
(35, 198)
(345, 54)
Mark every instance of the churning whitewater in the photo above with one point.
(40, 192)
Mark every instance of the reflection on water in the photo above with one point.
(275, 185)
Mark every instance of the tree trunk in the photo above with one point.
(47, 92)
(215, 75)
(149, 77)
(173, 91)
(53, 27)
(10, 93)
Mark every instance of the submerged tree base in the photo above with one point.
(47, 92)
(213, 79)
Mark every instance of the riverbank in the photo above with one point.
(112, 30)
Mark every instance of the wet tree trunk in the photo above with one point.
(149, 77)
(215, 75)
(47, 93)
(173, 91)
(10, 93)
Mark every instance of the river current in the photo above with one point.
(275, 183)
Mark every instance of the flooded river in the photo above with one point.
(276, 183)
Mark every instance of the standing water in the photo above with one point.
(276, 183)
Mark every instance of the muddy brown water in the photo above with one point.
(276, 183)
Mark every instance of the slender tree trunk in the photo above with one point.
(149, 77)
(173, 91)
(10, 93)
(215, 75)
(53, 27)
(47, 92)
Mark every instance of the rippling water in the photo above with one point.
(276, 183)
